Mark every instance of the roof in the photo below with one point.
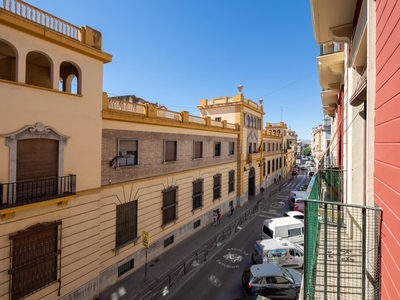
(275, 243)
(265, 270)
(294, 213)
(283, 221)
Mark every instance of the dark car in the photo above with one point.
(295, 172)
(272, 281)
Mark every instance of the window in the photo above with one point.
(276, 161)
(294, 232)
(198, 149)
(280, 162)
(217, 186)
(280, 146)
(126, 223)
(196, 224)
(273, 146)
(128, 147)
(269, 167)
(273, 165)
(35, 250)
(197, 194)
(170, 151)
(217, 149)
(169, 205)
(263, 147)
(231, 181)
(168, 241)
(231, 148)
(254, 147)
(263, 168)
(250, 148)
(122, 269)
(269, 147)
(218, 119)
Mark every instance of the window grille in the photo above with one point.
(231, 181)
(217, 186)
(169, 205)
(126, 223)
(197, 194)
(35, 255)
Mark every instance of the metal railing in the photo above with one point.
(342, 251)
(38, 190)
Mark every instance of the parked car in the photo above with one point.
(272, 281)
(299, 206)
(303, 187)
(294, 214)
(278, 251)
(303, 167)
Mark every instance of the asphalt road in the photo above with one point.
(220, 277)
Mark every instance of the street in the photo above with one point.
(220, 276)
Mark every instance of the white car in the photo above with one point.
(294, 214)
(303, 167)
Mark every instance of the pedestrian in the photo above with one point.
(215, 216)
(262, 191)
(218, 217)
(232, 210)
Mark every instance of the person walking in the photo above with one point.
(218, 217)
(262, 191)
(215, 218)
(232, 210)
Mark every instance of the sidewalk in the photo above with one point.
(158, 268)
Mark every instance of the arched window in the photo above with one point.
(8, 62)
(70, 78)
(38, 70)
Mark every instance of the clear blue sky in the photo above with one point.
(177, 52)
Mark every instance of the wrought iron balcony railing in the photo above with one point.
(38, 190)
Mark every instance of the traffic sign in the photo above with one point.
(145, 239)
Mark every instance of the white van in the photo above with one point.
(278, 251)
(283, 227)
(294, 195)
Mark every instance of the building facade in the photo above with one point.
(80, 189)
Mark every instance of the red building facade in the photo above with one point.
(387, 141)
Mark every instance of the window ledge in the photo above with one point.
(169, 223)
(197, 208)
(133, 241)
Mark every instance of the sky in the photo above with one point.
(178, 52)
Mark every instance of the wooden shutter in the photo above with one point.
(37, 158)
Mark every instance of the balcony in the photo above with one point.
(332, 20)
(34, 191)
(330, 48)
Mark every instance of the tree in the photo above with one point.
(306, 151)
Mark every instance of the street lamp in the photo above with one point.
(114, 160)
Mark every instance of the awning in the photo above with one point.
(360, 94)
